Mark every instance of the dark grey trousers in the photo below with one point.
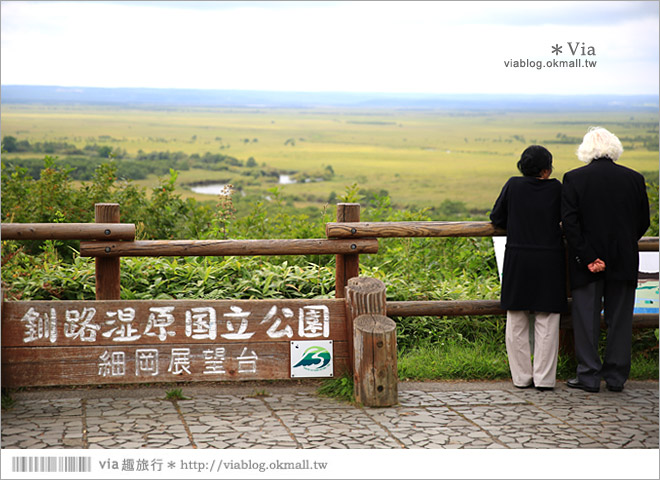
(617, 299)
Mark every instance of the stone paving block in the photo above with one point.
(588, 415)
(489, 397)
(444, 437)
(110, 407)
(244, 421)
(45, 408)
(648, 413)
(634, 396)
(32, 432)
(125, 423)
(417, 418)
(305, 400)
(541, 436)
(506, 415)
(210, 403)
(435, 419)
(335, 428)
(431, 427)
(561, 396)
(413, 398)
(135, 429)
(624, 435)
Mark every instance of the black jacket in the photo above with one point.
(605, 211)
(534, 274)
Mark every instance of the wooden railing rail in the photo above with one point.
(411, 229)
(456, 308)
(68, 231)
(108, 241)
(648, 244)
(169, 248)
(432, 229)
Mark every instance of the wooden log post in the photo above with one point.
(375, 379)
(363, 295)
(372, 343)
(108, 285)
(348, 266)
(566, 334)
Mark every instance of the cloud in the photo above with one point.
(441, 47)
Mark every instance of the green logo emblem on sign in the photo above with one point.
(314, 359)
(311, 358)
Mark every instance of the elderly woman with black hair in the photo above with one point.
(534, 276)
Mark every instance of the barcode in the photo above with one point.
(51, 464)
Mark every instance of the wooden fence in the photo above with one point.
(115, 341)
(110, 340)
(361, 230)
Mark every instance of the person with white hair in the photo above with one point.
(605, 211)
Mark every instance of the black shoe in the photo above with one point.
(614, 388)
(575, 383)
(545, 389)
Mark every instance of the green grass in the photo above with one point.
(644, 367)
(340, 388)
(486, 359)
(450, 360)
(7, 400)
(259, 393)
(175, 394)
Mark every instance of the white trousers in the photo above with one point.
(546, 347)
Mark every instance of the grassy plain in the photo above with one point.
(421, 157)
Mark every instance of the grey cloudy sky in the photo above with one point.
(417, 47)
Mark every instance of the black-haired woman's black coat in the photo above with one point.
(534, 276)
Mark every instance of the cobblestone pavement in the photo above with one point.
(279, 415)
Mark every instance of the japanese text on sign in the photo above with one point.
(125, 326)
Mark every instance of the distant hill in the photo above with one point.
(163, 98)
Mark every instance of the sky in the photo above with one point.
(439, 47)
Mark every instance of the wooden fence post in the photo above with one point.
(375, 379)
(566, 337)
(566, 334)
(371, 343)
(108, 285)
(348, 266)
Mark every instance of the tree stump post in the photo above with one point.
(108, 286)
(372, 343)
(348, 266)
(375, 379)
(363, 295)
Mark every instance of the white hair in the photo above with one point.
(597, 143)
